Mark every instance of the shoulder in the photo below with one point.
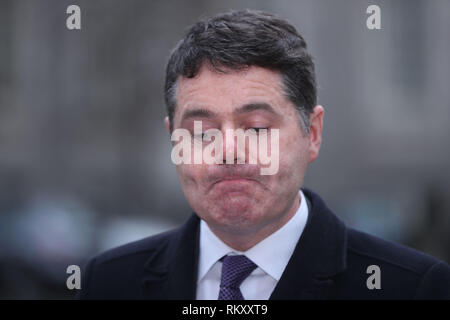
(137, 248)
(404, 271)
(386, 252)
(117, 273)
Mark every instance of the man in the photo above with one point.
(255, 236)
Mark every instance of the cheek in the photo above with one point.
(190, 175)
(293, 155)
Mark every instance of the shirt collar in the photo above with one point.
(280, 244)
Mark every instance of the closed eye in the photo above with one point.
(258, 129)
(202, 136)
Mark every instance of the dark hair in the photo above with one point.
(240, 39)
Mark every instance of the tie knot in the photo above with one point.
(235, 269)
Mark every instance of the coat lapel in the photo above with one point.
(171, 271)
(320, 255)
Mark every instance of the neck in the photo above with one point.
(243, 241)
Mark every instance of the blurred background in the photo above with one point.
(85, 157)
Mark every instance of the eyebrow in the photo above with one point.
(246, 108)
(255, 106)
(197, 113)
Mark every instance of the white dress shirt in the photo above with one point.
(271, 256)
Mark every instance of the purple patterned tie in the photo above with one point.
(234, 271)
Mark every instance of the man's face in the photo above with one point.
(236, 198)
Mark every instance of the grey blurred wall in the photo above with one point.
(85, 157)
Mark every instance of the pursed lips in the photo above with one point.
(233, 182)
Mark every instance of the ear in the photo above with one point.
(315, 132)
(167, 123)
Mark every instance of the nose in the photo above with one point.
(233, 149)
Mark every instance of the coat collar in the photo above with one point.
(171, 271)
(320, 254)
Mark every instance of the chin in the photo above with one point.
(236, 218)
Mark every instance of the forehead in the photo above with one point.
(224, 92)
